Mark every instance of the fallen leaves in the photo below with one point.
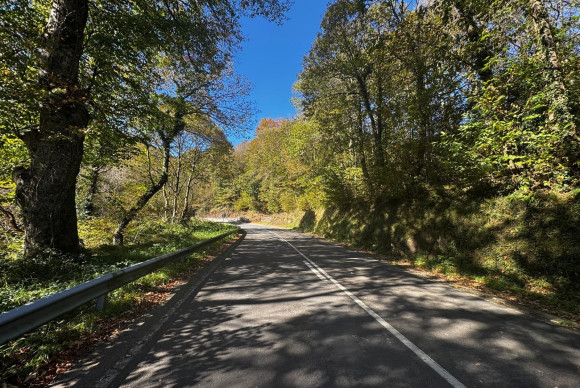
(108, 328)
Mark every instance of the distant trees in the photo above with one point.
(276, 171)
(72, 67)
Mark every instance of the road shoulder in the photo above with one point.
(102, 365)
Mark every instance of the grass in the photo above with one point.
(26, 361)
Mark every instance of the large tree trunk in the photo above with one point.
(46, 190)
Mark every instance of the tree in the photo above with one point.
(213, 96)
(523, 120)
(276, 171)
(154, 187)
(77, 69)
(342, 83)
(189, 165)
(104, 149)
(45, 190)
(380, 82)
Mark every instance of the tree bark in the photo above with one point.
(377, 130)
(185, 209)
(361, 148)
(177, 187)
(165, 204)
(188, 188)
(46, 190)
(560, 112)
(422, 107)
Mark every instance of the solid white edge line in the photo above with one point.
(404, 340)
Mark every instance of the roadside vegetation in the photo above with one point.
(25, 280)
(443, 133)
(33, 360)
(113, 114)
(440, 133)
(526, 249)
(523, 252)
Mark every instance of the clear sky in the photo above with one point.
(271, 56)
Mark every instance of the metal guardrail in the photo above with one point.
(21, 320)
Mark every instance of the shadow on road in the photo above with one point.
(264, 319)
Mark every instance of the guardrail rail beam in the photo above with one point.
(21, 320)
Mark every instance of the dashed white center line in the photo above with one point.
(323, 275)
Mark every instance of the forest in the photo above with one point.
(443, 133)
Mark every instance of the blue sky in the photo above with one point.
(271, 56)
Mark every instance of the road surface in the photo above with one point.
(290, 310)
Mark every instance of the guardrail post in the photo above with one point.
(100, 302)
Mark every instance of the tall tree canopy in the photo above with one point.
(433, 93)
(72, 67)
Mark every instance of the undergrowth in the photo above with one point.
(527, 246)
(25, 280)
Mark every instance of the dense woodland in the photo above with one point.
(92, 85)
(399, 102)
(111, 114)
(444, 130)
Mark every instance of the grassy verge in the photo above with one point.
(35, 358)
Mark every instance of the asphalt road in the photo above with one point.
(289, 310)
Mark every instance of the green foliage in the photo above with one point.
(13, 154)
(117, 74)
(470, 94)
(445, 131)
(380, 83)
(276, 171)
(125, 46)
(522, 125)
(21, 25)
(526, 245)
(22, 281)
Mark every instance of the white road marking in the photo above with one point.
(404, 340)
(315, 271)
